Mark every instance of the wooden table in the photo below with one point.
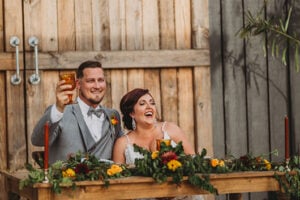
(141, 187)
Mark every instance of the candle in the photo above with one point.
(46, 144)
(287, 138)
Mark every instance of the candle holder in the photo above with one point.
(287, 161)
(159, 141)
(46, 180)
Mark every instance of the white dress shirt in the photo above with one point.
(93, 122)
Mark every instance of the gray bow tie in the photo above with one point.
(94, 111)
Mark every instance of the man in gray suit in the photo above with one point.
(85, 126)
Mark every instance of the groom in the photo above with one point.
(85, 126)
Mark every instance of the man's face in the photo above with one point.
(92, 86)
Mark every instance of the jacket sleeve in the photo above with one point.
(37, 136)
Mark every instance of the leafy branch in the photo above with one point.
(277, 30)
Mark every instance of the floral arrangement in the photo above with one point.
(167, 163)
(78, 167)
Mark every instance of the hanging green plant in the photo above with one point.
(278, 33)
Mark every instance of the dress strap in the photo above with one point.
(163, 127)
(128, 140)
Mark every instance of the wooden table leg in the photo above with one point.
(235, 196)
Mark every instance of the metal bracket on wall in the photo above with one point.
(16, 79)
(35, 78)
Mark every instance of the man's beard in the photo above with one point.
(92, 101)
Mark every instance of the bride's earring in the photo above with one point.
(133, 124)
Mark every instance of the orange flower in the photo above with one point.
(114, 120)
(214, 162)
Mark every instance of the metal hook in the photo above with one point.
(16, 79)
(35, 78)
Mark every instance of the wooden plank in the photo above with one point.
(35, 100)
(12, 13)
(182, 24)
(184, 75)
(150, 25)
(122, 59)
(257, 93)
(152, 82)
(169, 95)
(167, 24)
(3, 135)
(66, 27)
(234, 81)
(115, 23)
(134, 33)
(134, 40)
(201, 82)
(32, 17)
(1, 25)
(151, 42)
(83, 25)
(117, 28)
(295, 96)
(108, 98)
(3, 128)
(40, 20)
(203, 115)
(216, 70)
(135, 78)
(119, 88)
(8, 61)
(16, 139)
(100, 14)
(48, 26)
(277, 93)
(168, 76)
(200, 22)
(234, 77)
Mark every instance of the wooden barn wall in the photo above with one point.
(251, 93)
(162, 45)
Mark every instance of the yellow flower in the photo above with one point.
(154, 154)
(68, 173)
(114, 169)
(268, 164)
(214, 162)
(221, 163)
(173, 165)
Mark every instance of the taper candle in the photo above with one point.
(46, 145)
(287, 138)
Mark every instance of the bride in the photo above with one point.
(139, 115)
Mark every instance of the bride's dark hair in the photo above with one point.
(127, 103)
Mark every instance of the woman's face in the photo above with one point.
(144, 111)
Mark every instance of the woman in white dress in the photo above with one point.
(140, 118)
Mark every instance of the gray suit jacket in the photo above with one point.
(71, 134)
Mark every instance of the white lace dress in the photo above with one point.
(131, 155)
